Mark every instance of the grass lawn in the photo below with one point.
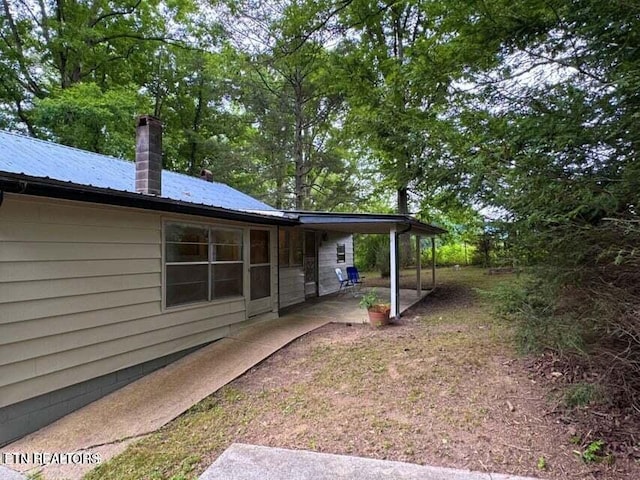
(470, 276)
(442, 386)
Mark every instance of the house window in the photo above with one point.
(290, 247)
(341, 253)
(201, 263)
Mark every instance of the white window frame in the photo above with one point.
(209, 263)
(343, 254)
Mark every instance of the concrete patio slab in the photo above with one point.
(345, 308)
(252, 462)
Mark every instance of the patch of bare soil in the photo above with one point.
(603, 418)
(442, 386)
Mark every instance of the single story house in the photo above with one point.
(110, 269)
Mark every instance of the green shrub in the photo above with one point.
(372, 252)
(592, 452)
(581, 395)
(450, 254)
(532, 305)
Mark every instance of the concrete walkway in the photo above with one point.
(252, 462)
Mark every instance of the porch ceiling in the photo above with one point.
(365, 223)
(382, 228)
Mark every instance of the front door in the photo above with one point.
(310, 265)
(259, 272)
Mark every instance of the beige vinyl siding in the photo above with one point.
(27, 271)
(24, 252)
(181, 322)
(43, 327)
(71, 303)
(327, 261)
(104, 350)
(84, 371)
(291, 286)
(59, 287)
(81, 295)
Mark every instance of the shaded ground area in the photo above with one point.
(441, 387)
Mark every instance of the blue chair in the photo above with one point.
(354, 277)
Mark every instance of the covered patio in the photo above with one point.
(345, 307)
(393, 225)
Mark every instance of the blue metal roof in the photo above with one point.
(37, 158)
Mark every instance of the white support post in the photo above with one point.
(394, 274)
(433, 262)
(418, 267)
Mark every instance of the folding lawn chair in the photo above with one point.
(345, 283)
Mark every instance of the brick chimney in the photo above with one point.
(148, 155)
(206, 175)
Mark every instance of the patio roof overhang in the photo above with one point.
(364, 223)
(389, 224)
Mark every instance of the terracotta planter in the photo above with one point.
(379, 315)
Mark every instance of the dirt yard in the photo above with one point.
(442, 386)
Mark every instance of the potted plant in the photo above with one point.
(378, 312)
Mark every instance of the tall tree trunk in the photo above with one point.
(298, 147)
(404, 241)
(403, 200)
(279, 203)
(195, 127)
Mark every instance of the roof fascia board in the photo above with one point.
(401, 221)
(26, 185)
